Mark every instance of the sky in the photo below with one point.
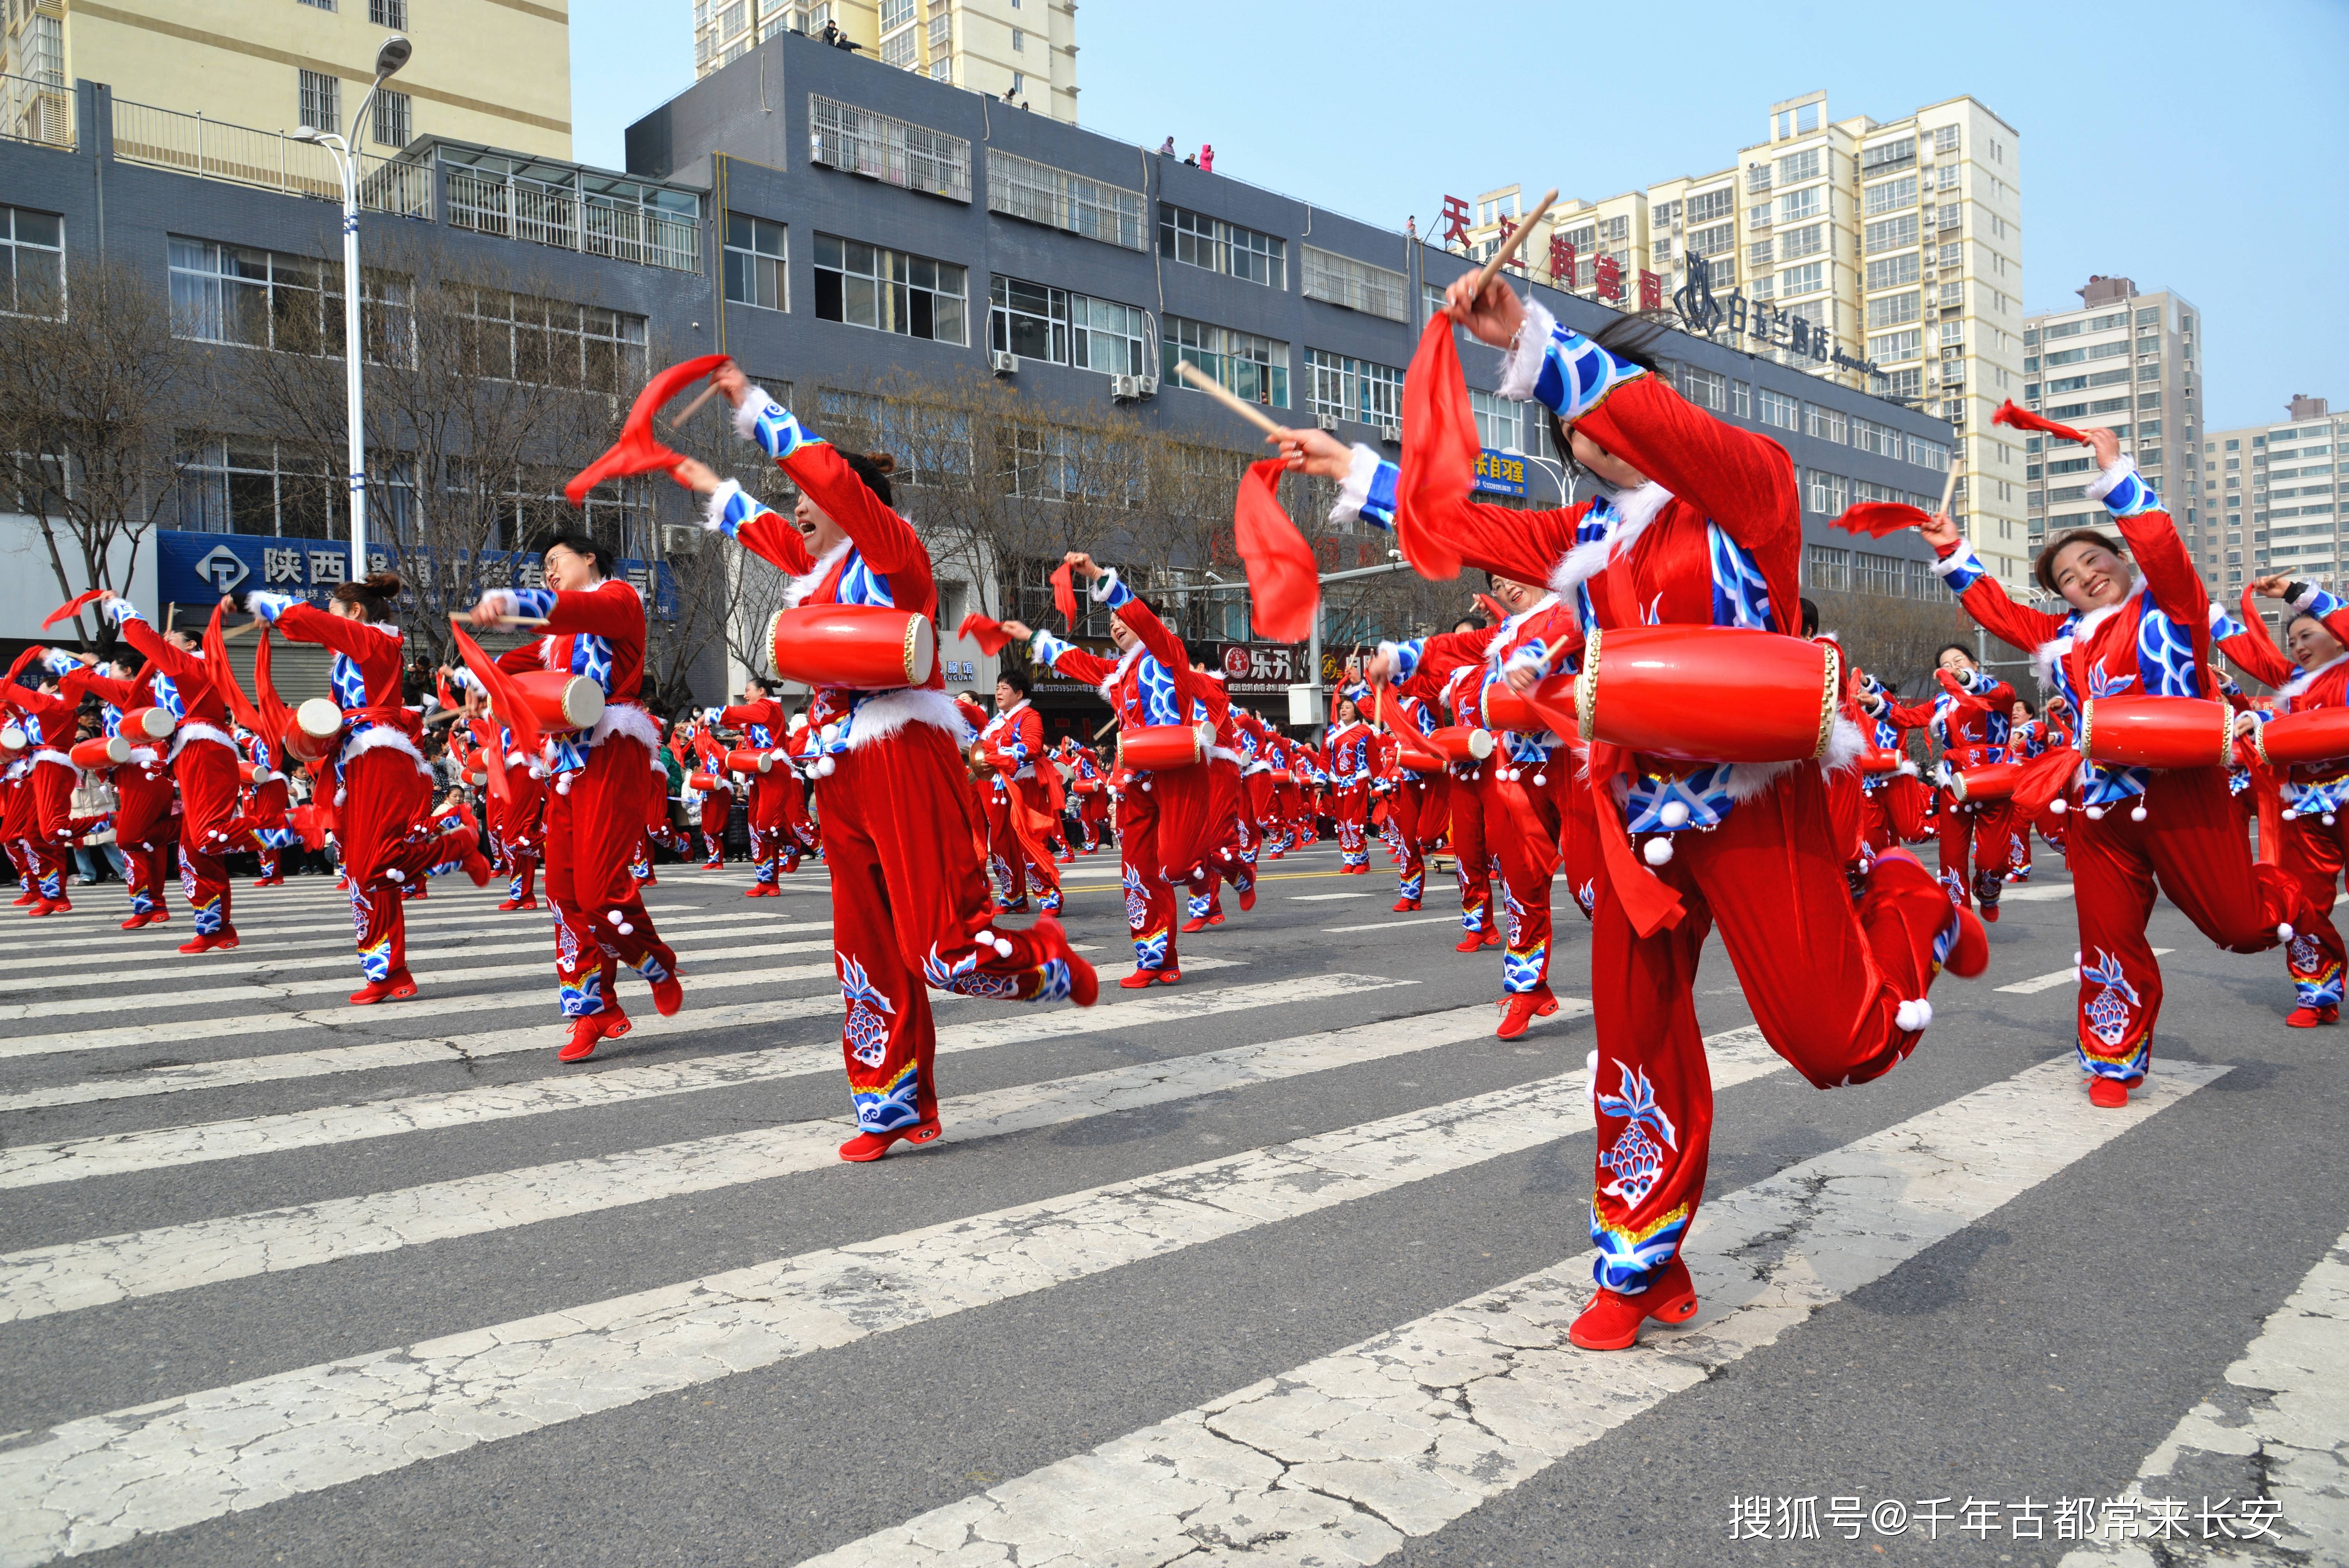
(2190, 146)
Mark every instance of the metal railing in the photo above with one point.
(37, 112)
(269, 159)
(491, 203)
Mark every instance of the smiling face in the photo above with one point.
(816, 527)
(1516, 596)
(1123, 636)
(2089, 576)
(1346, 713)
(1955, 660)
(2310, 644)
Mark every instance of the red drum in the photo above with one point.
(2157, 731)
(1874, 760)
(1458, 743)
(312, 731)
(477, 779)
(703, 782)
(1504, 709)
(1991, 781)
(862, 647)
(152, 723)
(748, 761)
(100, 752)
(12, 738)
(1709, 693)
(250, 772)
(1283, 778)
(1086, 786)
(2296, 739)
(1162, 746)
(562, 703)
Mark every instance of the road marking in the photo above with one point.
(2036, 894)
(114, 1154)
(67, 1277)
(1327, 897)
(160, 942)
(2039, 982)
(92, 1483)
(1390, 925)
(2281, 1438)
(1345, 1458)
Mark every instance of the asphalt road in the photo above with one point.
(1273, 1266)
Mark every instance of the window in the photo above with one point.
(1705, 388)
(1797, 205)
(1710, 205)
(1798, 167)
(32, 262)
(1892, 271)
(1779, 410)
(1891, 310)
(1826, 492)
(1714, 241)
(896, 14)
(1824, 423)
(1356, 389)
(1357, 286)
(1890, 233)
(395, 119)
(322, 97)
(387, 14)
(1500, 421)
(1758, 254)
(1886, 157)
(1060, 199)
(882, 147)
(1929, 454)
(550, 342)
(889, 291)
(1253, 368)
(1945, 139)
(1801, 280)
(1797, 242)
(243, 486)
(319, 5)
(226, 293)
(1018, 41)
(1901, 192)
(902, 50)
(756, 262)
(1199, 240)
(1019, 83)
(1904, 383)
(1039, 322)
(1757, 177)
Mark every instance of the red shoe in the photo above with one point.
(2110, 1093)
(1052, 938)
(2331, 1013)
(589, 1032)
(158, 916)
(1193, 926)
(669, 994)
(136, 921)
(1140, 980)
(1404, 905)
(1611, 1321)
(1491, 938)
(2309, 1018)
(512, 903)
(388, 990)
(271, 882)
(48, 906)
(867, 1147)
(1470, 942)
(477, 866)
(27, 896)
(713, 866)
(1523, 1008)
(1247, 898)
(1216, 917)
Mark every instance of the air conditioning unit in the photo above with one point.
(680, 539)
(1126, 389)
(1003, 363)
(1326, 421)
(1149, 383)
(1390, 434)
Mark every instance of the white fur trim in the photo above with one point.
(1522, 367)
(147, 757)
(1225, 754)
(504, 601)
(886, 714)
(1354, 492)
(1098, 592)
(196, 729)
(1845, 742)
(46, 754)
(798, 588)
(1112, 681)
(2111, 477)
(2307, 594)
(380, 737)
(626, 719)
(754, 403)
(2300, 683)
(1636, 509)
(1964, 555)
(713, 515)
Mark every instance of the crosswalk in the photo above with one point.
(1291, 1093)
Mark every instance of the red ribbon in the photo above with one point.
(1438, 437)
(73, 606)
(637, 451)
(224, 681)
(1064, 592)
(2023, 419)
(1284, 582)
(505, 698)
(1878, 518)
(991, 637)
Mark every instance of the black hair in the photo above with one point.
(1810, 618)
(373, 594)
(1467, 623)
(2043, 570)
(875, 469)
(582, 544)
(1017, 679)
(2029, 706)
(1956, 649)
(759, 681)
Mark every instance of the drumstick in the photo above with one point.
(241, 631)
(444, 716)
(1949, 486)
(694, 407)
(1509, 246)
(1105, 729)
(521, 620)
(1224, 394)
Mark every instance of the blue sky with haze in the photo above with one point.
(2188, 146)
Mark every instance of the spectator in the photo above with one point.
(1206, 158)
(1192, 159)
(1167, 150)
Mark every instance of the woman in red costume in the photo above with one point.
(142, 823)
(383, 787)
(1969, 721)
(594, 627)
(1700, 526)
(910, 903)
(1346, 757)
(2141, 632)
(53, 718)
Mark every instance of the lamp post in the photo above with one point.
(1565, 485)
(388, 59)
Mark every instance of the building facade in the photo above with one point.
(1022, 51)
(1879, 255)
(2132, 363)
(2271, 500)
(491, 72)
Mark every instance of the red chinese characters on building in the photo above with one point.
(1607, 273)
(1516, 259)
(1455, 220)
(1561, 261)
(1651, 291)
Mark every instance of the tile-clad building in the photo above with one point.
(2272, 499)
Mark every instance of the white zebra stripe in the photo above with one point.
(2048, 982)
(1347, 1458)
(43, 1280)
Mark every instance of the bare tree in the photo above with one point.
(92, 386)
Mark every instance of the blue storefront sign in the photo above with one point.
(1500, 473)
(198, 568)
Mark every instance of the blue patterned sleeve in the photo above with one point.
(2314, 599)
(1567, 373)
(1048, 649)
(1368, 491)
(776, 428)
(123, 610)
(730, 506)
(2124, 492)
(268, 606)
(1406, 656)
(538, 602)
(1110, 589)
(1961, 568)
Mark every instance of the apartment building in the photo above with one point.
(1021, 50)
(2131, 362)
(491, 72)
(1884, 255)
(2271, 499)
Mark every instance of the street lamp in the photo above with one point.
(388, 59)
(1565, 484)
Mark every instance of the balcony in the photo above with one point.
(39, 112)
(267, 159)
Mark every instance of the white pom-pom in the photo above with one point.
(2327, 818)
(563, 785)
(2059, 805)
(829, 733)
(1002, 948)
(1656, 851)
(1145, 784)
(615, 916)
(1541, 780)
(341, 796)
(1911, 1017)
(2137, 813)
(624, 929)
(1675, 814)
(2076, 958)
(2283, 931)
(2289, 813)
(985, 939)
(826, 768)
(395, 874)
(2096, 813)
(1590, 1083)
